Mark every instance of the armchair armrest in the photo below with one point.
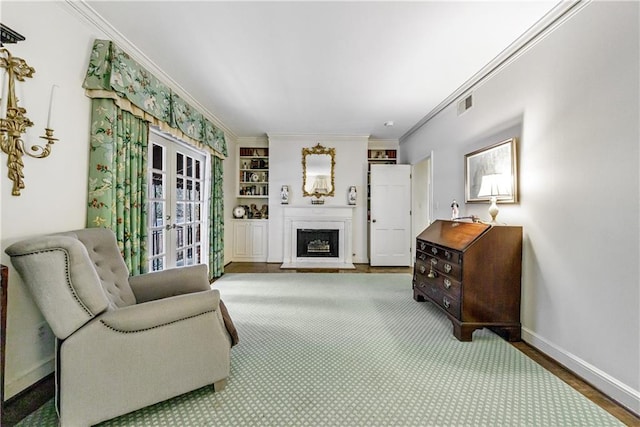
(169, 283)
(153, 314)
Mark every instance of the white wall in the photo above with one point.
(285, 168)
(58, 47)
(572, 100)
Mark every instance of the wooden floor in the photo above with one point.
(551, 365)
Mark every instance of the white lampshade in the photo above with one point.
(497, 184)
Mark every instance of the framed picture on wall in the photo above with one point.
(492, 172)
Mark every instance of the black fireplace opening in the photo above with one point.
(317, 243)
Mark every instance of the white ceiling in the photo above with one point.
(320, 67)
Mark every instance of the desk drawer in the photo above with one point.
(438, 252)
(443, 299)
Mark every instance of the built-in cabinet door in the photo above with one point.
(250, 240)
(390, 228)
(259, 240)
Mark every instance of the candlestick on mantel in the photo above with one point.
(50, 116)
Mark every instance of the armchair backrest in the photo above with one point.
(73, 276)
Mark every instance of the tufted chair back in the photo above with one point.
(73, 276)
(102, 249)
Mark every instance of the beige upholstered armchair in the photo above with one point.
(123, 342)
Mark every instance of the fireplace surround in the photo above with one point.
(337, 219)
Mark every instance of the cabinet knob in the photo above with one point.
(446, 302)
(434, 251)
(447, 268)
(423, 269)
(447, 283)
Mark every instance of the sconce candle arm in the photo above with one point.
(15, 122)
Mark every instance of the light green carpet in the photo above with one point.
(356, 350)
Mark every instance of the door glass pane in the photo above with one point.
(189, 207)
(197, 169)
(189, 167)
(179, 258)
(196, 195)
(180, 189)
(180, 237)
(190, 194)
(157, 264)
(157, 214)
(179, 164)
(157, 184)
(180, 213)
(190, 256)
(157, 246)
(157, 162)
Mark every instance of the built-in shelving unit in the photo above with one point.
(253, 179)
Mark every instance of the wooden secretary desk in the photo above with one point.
(472, 272)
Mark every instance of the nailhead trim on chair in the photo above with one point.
(68, 276)
(156, 326)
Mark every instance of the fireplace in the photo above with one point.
(317, 243)
(317, 237)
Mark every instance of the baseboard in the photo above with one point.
(24, 403)
(27, 379)
(616, 390)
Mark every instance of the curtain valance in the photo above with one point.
(113, 74)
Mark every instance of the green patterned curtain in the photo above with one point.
(118, 179)
(127, 98)
(216, 218)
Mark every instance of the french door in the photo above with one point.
(177, 224)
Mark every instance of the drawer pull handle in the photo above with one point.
(447, 268)
(447, 254)
(434, 261)
(422, 246)
(422, 256)
(447, 283)
(432, 274)
(434, 251)
(446, 303)
(423, 269)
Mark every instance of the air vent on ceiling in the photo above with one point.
(465, 103)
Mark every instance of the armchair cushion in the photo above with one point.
(168, 283)
(153, 314)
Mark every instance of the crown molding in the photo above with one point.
(82, 10)
(549, 22)
(319, 137)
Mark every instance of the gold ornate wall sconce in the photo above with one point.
(14, 122)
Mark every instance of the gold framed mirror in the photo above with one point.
(318, 164)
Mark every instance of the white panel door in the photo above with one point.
(390, 228)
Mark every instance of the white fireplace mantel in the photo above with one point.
(334, 217)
